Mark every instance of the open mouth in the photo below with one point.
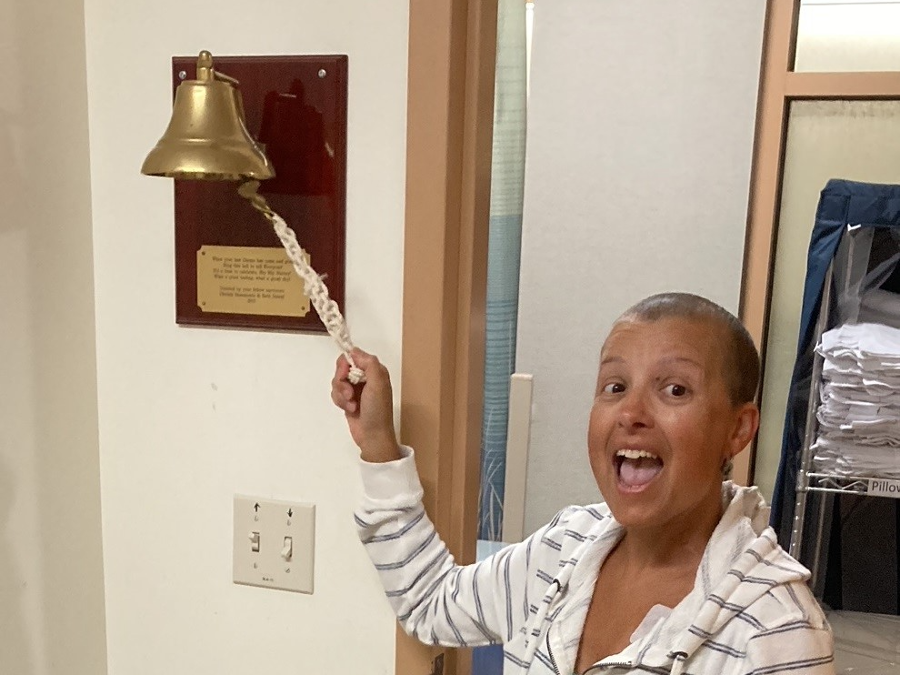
(636, 468)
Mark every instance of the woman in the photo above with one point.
(676, 572)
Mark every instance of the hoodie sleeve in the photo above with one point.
(436, 600)
(794, 647)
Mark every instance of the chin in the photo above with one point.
(636, 516)
(632, 510)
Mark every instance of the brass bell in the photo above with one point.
(206, 138)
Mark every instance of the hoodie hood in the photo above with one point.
(741, 563)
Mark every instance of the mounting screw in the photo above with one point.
(322, 73)
(182, 75)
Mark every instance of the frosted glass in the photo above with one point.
(848, 36)
(856, 140)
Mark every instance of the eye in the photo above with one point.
(614, 388)
(676, 390)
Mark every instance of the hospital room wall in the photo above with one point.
(189, 417)
(640, 138)
(51, 570)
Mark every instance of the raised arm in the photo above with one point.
(436, 600)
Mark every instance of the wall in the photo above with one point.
(51, 575)
(189, 417)
(641, 122)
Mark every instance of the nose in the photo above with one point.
(633, 410)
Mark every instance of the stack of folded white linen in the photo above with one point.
(859, 414)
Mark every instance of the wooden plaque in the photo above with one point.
(296, 106)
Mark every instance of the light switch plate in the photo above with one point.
(285, 533)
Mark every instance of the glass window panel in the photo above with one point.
(856, 140)
(848, 36)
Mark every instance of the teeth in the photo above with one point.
(635, 454)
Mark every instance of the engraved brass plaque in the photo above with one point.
(249, 280)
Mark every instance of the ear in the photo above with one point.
(746, 423)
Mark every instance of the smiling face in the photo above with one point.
(663, 424)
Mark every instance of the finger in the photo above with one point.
(356, 391)
(376, 374)
(346, 391)
(341, 368)
(342, 395)
(337, 384)
(363, 360)
(338, 399)
(346, 406)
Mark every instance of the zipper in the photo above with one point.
(550, 654)
(599, 667)
(602, 666)
(538, 622)
(559, 589)
(678, 658)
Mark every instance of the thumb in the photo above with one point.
(373, 371)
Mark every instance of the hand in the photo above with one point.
(368, 407)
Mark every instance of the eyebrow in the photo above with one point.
(669, 359)
(682, 359)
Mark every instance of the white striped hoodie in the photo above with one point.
(750, 611)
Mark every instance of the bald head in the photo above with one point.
(740, 357)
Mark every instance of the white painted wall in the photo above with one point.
(51, 575)
(641, 122)
(189, 417)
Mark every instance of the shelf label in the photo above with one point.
(884, 488)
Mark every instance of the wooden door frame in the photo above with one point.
(452, 53)
(779, 86)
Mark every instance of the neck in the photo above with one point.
(676, 543)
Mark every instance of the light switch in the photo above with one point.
(281, 548)
(287, 552)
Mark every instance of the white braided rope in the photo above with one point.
(313, 285)
(315, 288)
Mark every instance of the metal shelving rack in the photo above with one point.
(817, 482)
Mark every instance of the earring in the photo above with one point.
(727, 467)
